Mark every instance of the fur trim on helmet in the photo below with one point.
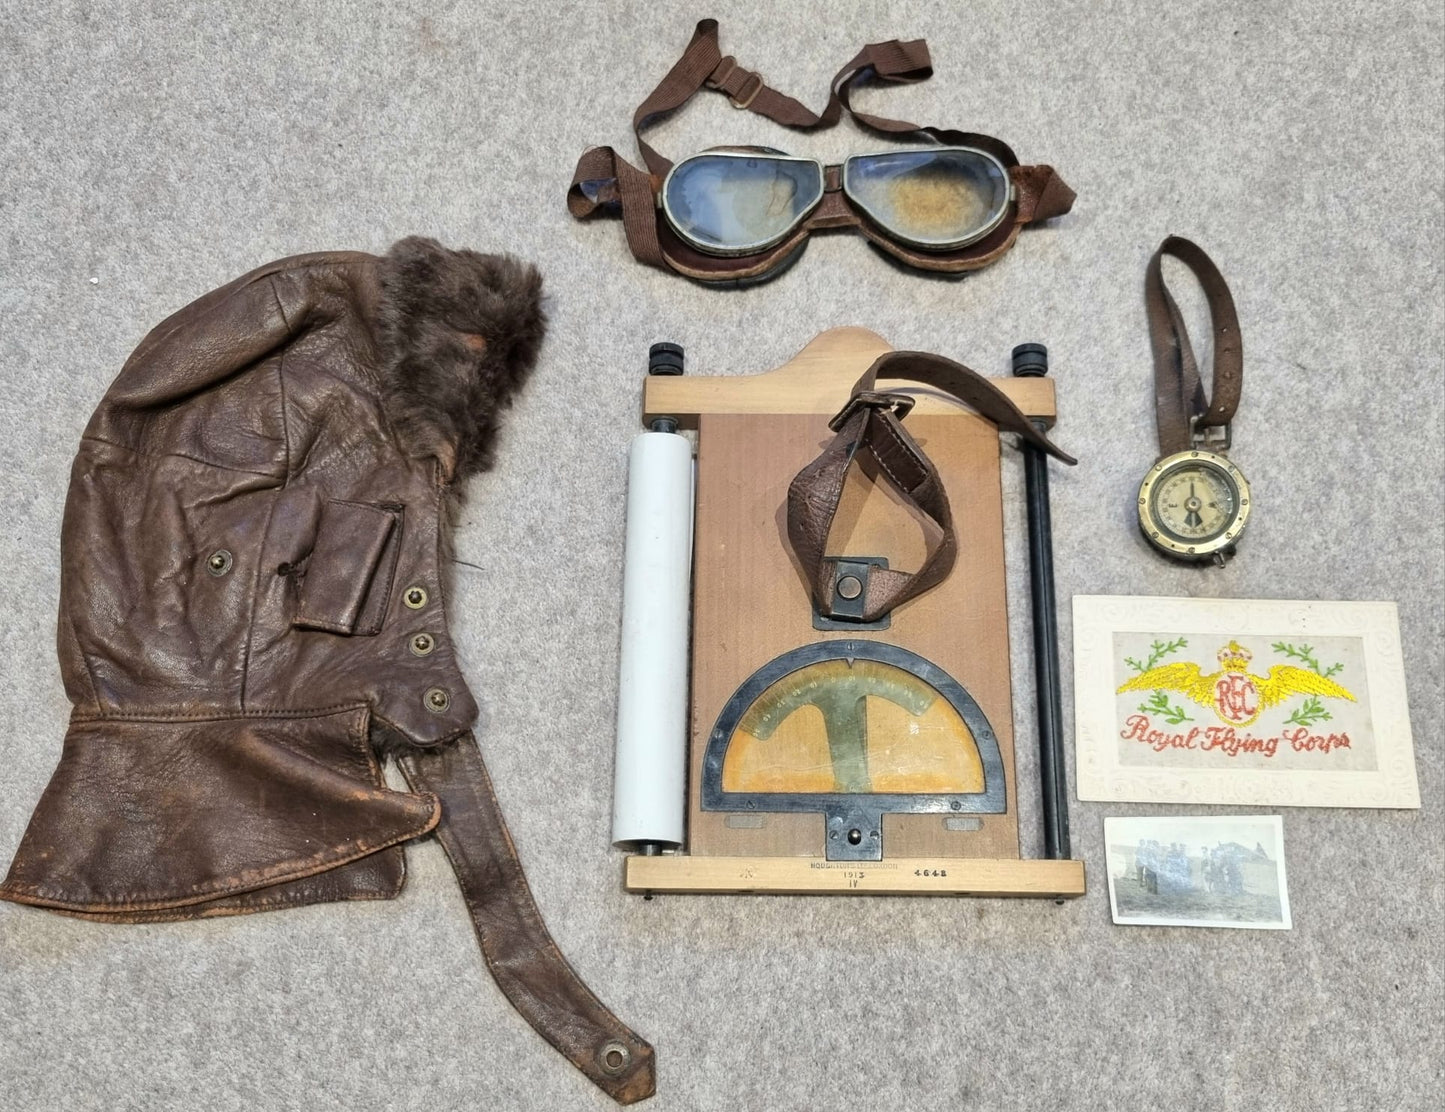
(459, 334)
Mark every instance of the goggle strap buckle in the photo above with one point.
(740, 93)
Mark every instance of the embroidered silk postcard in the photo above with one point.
(1241, 701)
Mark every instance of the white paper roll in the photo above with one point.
(650, 777)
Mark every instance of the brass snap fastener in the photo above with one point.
(218, 563)
(613, 1057)
(436, 700)
(422, 644)
(850, 587)
(414, 597)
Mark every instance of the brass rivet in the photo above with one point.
(422, 644)
(437, 700)
(219, 562)
(414, 597)
(850, 587)
(613, 1057)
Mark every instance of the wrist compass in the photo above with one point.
(1194, 503)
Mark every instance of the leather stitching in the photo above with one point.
(224, 715)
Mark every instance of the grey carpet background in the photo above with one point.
(150, 153)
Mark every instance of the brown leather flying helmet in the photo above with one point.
(952, 202)
(253, 581)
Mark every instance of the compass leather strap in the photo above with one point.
(1182, 408)
(871, 423)
(526, 963)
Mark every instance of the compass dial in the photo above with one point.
(1195, 501)
(1193, 505)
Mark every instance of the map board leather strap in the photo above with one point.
(1182, 408)
(872, 421)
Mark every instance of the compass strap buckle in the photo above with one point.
(1209, 438)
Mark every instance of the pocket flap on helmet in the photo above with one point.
(349, 572)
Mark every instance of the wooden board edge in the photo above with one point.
(816, 380)
(802, 876)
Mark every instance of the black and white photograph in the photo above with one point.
(1198, 871)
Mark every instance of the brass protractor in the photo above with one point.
(851, 725)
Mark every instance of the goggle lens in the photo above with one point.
(732, 204)
(934, 199)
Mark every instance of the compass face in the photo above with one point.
(1193, 504)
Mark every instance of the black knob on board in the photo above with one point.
(1031, 360)
(664, 359)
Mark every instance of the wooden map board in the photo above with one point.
(750, 604)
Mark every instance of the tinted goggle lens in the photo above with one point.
(937, 199)
(934, 199)
(735, 204)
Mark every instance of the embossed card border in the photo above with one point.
(1101, 777)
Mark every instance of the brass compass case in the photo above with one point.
(1194, 506)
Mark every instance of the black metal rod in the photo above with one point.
(1032, 361)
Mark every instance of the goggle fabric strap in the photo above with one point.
(703, 65)
(871, 422)
(607, 182)
(519, 951)
(1182, 409)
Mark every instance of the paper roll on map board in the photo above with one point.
(650, 777)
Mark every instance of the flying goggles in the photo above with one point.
(951, 202)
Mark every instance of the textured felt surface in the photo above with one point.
(151, 152)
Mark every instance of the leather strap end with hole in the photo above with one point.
(519, 951)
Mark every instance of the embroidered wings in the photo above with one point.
(1283, 682)
(1179, 676)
